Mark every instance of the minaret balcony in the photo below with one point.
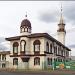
(61, 30)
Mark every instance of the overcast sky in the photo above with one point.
(43, 15)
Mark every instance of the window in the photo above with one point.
(54, 50)
(50, 48)
(25, 29)
(67, 53)
(47, 47)
(3, 57)
(62, 52)
(49, 61)
(3, 65)
(37, 61)
(23, 45)
(0, 57)
(15, 47)
(58, 50)
(36, 46)
(15, 61)
(22, 29)
(28, 30)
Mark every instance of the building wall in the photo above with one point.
(30, 50)
(31, 63)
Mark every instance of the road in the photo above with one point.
(39, 73)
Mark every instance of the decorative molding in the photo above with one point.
(28, 55)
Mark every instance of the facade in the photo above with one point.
(4, 59)
(35, 51)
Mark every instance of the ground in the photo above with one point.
(60, 72)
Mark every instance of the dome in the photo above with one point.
(26, 23)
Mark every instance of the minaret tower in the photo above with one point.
(61, 32)
(25, 28)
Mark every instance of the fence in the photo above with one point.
(65, 65)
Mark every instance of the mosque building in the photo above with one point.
(37, 50)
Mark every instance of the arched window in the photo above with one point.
(15, 47)
(23, 45)
(36, 46)
(47, 47)
(15, 61)
(55, 49)
(50, 48)
(36, 61)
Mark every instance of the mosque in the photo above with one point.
(35, 50)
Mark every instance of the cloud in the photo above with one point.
(2, 47)
(69, 12)
(3, 44)
(2, 39)
(72, 46)
(47, 16)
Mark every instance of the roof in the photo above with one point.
(35, 35)
(4, 52)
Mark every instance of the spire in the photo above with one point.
(26, 15)
(61, 16)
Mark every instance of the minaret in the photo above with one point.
(25, 28)
(61, 32)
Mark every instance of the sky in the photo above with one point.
(43, 15)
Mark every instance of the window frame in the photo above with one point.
(36, 61)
